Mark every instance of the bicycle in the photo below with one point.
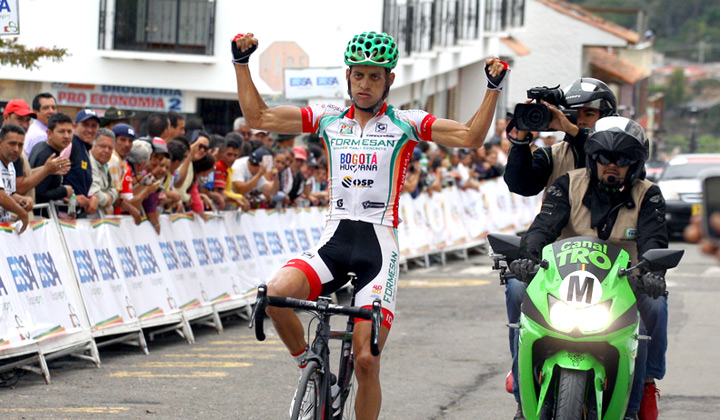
(317, 374)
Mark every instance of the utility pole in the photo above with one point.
(694, 111)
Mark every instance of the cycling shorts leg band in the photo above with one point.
(386, 314)
(312, 277)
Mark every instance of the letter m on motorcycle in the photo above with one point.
(577, 293)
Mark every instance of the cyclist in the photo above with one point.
(369, 145)
(527, 173)
(611, 200)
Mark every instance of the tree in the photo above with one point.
(676, 88)
(16, 54)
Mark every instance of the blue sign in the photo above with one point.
(232, 248)
(85, 266)
(49, 276)
(171, 260)
(127, 262)
(106, 264)
(201, 252)
(183, 254)
(148, 263)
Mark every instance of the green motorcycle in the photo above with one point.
(579, 326)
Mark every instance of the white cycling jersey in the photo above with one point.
(367, 167)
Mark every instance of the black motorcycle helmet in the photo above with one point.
(622, 139)
(591, 93)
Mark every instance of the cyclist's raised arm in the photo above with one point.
(283, 119)
(472, 134)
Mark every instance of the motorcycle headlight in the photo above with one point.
(565, 317)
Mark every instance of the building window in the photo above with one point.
(502, 15)
(172, 26)
(422, 25)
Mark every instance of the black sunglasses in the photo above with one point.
(619, 159)
(202, 147)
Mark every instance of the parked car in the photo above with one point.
(653, 169)
(680, 185)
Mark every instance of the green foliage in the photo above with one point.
(676, 141)
(675, 94)
(16, 54)
(708, 144)
(701, 85)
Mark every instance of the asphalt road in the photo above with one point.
(446, 358)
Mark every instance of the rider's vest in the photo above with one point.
(367, 165)
(624, 230)
(563, 160)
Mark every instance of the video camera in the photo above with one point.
(537, 116)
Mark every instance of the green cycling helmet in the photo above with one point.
(372, 48)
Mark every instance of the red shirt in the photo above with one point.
(220, 175)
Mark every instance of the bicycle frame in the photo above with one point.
(319, 355)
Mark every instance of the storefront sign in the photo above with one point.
(123, 97)
(315, 83)
(9, 17)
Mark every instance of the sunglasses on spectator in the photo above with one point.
(203, 147)
(619, 159)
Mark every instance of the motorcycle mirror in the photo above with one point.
(507, 245)
(662, 259)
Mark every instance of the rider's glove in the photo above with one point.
(653, 284)
(241, 57)
(524, 269)
(497, 82)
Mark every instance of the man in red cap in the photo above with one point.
(18, 112)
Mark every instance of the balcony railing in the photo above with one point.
(421, 25)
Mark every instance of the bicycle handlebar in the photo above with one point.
(263, 300)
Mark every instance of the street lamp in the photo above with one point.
(694, 112)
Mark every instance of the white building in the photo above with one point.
(159, 55)
(561, 42)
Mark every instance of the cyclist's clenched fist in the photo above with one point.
(496, 71)
(243, 45)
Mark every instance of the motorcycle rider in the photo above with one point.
(610, 199)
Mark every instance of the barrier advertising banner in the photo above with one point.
(180, 254)
(40, 300)
(100, 272)
(245, 274)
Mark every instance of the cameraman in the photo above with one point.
(528, 173)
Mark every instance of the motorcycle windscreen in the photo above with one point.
(583, 263)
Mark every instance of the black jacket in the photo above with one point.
(527, 173)
(50, 188)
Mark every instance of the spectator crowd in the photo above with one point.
(90, 165)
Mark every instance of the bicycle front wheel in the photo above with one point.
(348, 411)
(307, 401)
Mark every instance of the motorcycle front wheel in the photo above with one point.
(571, 392)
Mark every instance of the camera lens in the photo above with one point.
(535, 116)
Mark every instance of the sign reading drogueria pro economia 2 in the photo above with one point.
(9, 17)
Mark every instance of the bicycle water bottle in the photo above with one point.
(72, 206)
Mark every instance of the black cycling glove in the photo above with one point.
(497, 82)
(241, 57)
(524, 269)
(654, 284)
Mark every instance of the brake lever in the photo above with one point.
(375, 327)
(258, 316)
